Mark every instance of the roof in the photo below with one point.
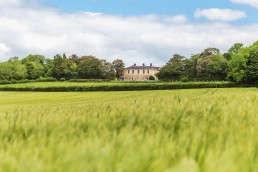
(142, 67)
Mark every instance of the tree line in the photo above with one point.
(34, 67)
(239, 64)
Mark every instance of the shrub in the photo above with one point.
(62, 79)
(152, 78)
(90, 80)
(184, 79)
(49, 79)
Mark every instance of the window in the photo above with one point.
(143, 71)
(148, 71)
(138, 71)
(128, 71)
(132, 71)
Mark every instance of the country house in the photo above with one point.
(140, 73)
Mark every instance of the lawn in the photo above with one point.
(178, 130)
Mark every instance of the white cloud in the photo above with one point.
(175, 19)
(138, 39)
(216, 14)
(253, 3)
(4, 3)
(3, 49)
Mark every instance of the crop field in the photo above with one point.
(195, 130)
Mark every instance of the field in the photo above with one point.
(212, 130)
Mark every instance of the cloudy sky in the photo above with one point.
(137, 31)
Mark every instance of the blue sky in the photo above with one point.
(137, 31)
(158, 7)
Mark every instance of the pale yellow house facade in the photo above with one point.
(139, 73)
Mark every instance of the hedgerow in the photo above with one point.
(125, 87)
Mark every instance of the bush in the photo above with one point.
(5, 82)
(184, 79)
(152, 78)
(49, 79)
(90, 80)
(62, 79)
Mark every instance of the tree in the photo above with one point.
(90, 68)
(34, 65)
(34, 70)
(64, 67)
(251, 70)
(58, 71)
(34, 58)
(190, 66)
(211, 65)
(235, 49)
(217, 67)
(174, 69)
(12, 70)
(48, 68)
(109, 72)
(237, 64)
(119, 67)
(209, 51)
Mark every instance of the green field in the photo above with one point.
(206, 130)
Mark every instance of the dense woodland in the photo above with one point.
(239, 64)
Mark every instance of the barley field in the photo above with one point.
(198, 130)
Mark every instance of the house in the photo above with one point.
(139, 73)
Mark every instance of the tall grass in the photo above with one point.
(185, 130)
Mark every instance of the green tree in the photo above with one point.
(237, 64)
(34, 70)
(90, 68)
(174, 69)
(119, 67)
(34, 65)
(12, 70)
(48, 68)
(211, 65)
(190, 66)
(109, 72)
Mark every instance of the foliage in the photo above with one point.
(243, 64)
(211, 65)
(184, 79)
(174, 68)
(90, 67)
(152, 78)
(118, 66)
(12, 70)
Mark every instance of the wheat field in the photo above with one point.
(179, 130)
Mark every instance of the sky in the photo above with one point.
(137, 31)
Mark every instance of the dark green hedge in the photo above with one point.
(6, 82)
(90, 80)
(129, 87)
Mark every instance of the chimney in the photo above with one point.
(134, 64)
(151, 64)
(143, 64)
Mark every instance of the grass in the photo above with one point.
(182, 130)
